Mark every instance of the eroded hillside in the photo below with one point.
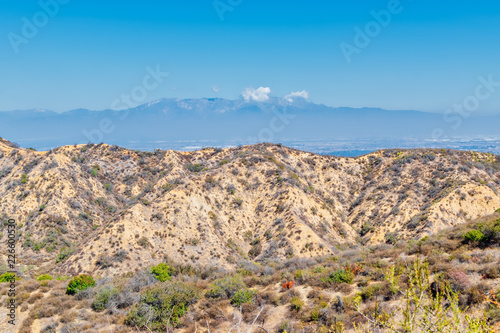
(106, 210)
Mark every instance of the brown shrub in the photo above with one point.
(490, 271)
(44, 289)
(270, 297)
(26, 325)
(68, 316)
(22, 298)
(287, 296)
(483, 287)
(472, 296)
(352, 317)
(44, 311)
(442, 266)
(448, 245)
(314, 293)
(343, 288)
(58, 293)
(426, 249)
(29, 286)
(249, 311)
(213, 310)
(35, 297)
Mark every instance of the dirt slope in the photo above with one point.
(106, 210)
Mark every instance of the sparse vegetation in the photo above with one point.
(423, 302)
(194, 167)
(297, 242)
(24, 178)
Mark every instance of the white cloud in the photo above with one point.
(216, 89)
(259, 95)
(302, 94)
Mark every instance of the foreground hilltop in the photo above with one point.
(106, 210)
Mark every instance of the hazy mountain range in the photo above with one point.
(238, 121)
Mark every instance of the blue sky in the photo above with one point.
(91, 52)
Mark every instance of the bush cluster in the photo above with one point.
(103, 298)
(78, 283)
(44, 277)
(486, 233)
(8, 277)
(340, 276)
(161, 272)
(162, 306)
(226, 288)
(243, 296)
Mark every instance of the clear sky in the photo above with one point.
(426, 56)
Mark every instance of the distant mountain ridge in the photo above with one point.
(242, 121)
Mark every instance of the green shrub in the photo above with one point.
(226, 288)
(369, 291)
(63, 278)
(315, 313)
(297, 303)
(24, 178)
(319, 269)
(491, 231)
(366, 228)
(104, 261)
(487, 232)
(391, 237)
(498, 210)
(194, 167)
(340, 276)
(161, 272)
(243, 296)
(144, 242)
(162, 306)
(80, 282)
(44, 277)
(167, 187)
(65, 253)
(8, 277)
(285, 326)
(102, 298)
(474, 236)
(300, 275)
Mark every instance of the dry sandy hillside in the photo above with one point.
(106, 210)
